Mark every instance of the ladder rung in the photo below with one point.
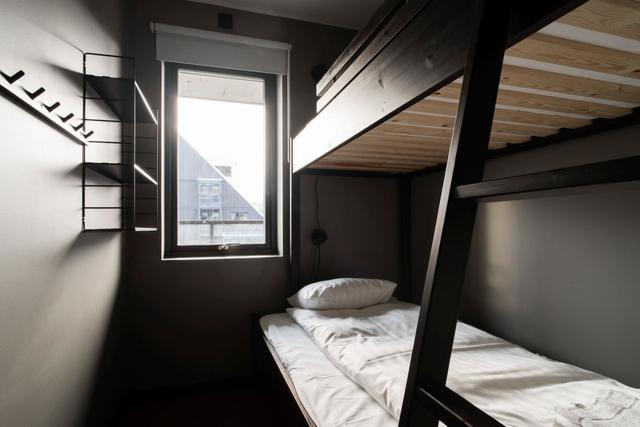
(620, 170)
(451, 408)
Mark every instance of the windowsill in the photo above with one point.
(217, 258)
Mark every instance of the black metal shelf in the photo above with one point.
(120, 94)
(137, 229)
(123, 97)
(120, 172)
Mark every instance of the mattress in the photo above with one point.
(330, 397)
(333, 357)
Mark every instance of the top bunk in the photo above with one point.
(389, 103)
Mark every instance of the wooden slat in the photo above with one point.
(419, 131)
(358, 147)
(559, 105)
(393, 158)
(527, 117)
(616, 17)
(369, 164)
(374, 136)
(571, 53)
(570, 85)
(353, 167)
(408, 142)
(423, 120)
(447, 122)
(414, 130)
(402, 151)
(542, 102)
(521, 129)
(495, 137)
(431, 106)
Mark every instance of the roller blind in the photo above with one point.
(199, 47)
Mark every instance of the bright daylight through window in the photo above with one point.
(221, 159)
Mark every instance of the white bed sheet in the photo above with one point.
(372, 346)
(330, 398)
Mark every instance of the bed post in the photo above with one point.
(426, 384)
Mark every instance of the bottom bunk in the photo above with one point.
(349, 367)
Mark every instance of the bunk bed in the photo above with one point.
(447, 84)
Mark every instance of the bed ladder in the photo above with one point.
(427, 399)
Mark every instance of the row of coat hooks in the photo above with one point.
(33, 95)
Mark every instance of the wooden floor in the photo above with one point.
(239, 404)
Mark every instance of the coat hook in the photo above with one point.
(67, 118)
(34, 95)
(51, 107)
(77, 128)
(88, 134)
(12, 79)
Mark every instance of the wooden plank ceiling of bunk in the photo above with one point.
(582, 69)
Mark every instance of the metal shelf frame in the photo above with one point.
(123, 98)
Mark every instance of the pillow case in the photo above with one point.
(343, 293)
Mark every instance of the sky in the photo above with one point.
(228, 134)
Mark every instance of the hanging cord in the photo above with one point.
(317, 202)
(316, 258)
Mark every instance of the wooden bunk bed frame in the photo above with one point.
(394, 105)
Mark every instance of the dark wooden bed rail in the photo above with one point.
(607, 172)
(451, 408)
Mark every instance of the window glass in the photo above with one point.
(221, 161)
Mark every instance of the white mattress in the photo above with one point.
(330, 398)
(515, 386)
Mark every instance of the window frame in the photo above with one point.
(171, 248)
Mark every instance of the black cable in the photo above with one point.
(316, 258)
(316, 264)
(317, 203)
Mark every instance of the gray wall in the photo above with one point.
(557, 274)
(190, 321)
(58, 286)
(360, 216)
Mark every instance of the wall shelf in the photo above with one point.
(120, 95)
(135, 121)
(121, 172)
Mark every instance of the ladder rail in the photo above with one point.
(451, 408)
(456, 218)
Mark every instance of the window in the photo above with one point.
(221, 132)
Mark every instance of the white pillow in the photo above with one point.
(343, 293)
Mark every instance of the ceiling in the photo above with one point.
(340, 13)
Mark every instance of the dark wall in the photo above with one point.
(58, 286)
(360, 216)
(190, 321)
(557, 274)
